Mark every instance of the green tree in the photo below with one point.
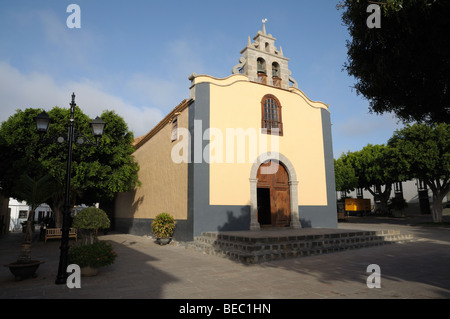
(404, 66)
(424, 153)
(98, 171)
(19, 151)
(89, 220)
(345, 175)
(373, 166)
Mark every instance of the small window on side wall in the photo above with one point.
(174, 129)
(271, 120)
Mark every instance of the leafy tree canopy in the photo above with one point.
(98, 171)
(425, 151)
(345, 176)
(373, 166)
(404, 66)
(370, 168)
(425, 154)
(417, 151)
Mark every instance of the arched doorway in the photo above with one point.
(293, 184)
(273, 198)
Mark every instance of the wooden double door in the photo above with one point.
(273, 197)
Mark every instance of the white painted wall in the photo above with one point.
(410, 194)
(16, 207)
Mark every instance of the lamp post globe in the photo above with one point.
(97, 127)
(42, 122)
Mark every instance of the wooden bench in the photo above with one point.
(342, 216)
(57, 233)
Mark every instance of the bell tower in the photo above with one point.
(261, 61)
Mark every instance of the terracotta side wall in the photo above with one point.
(164, 183)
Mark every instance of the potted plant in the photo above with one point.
(163, 227)
(34, 191)
(92, 256)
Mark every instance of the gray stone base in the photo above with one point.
(143, 227)
(255, 247)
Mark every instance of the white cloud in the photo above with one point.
(185, 57)
(37, 90)
(72, 44)
(155, 91)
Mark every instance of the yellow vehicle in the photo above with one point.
(357, 205)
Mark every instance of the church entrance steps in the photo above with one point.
(251, 247)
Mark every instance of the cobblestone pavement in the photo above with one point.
(143, 269)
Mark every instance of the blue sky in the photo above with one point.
(135, 57)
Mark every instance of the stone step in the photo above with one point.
(250, 249)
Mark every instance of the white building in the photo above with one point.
(19, 212)
(416, 194)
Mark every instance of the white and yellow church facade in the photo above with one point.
(247, 152)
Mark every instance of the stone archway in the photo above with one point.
(293, 186)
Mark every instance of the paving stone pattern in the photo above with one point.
(145, 270)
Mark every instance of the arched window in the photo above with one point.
(276, 77)
(261, 70)
(261, 65)
(275, 69)
(271, 115)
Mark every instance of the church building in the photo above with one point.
(247, 152)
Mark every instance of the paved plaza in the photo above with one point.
(145, 270)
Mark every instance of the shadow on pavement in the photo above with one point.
(131, 276)
(424, 261)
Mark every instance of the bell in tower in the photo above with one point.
(263, 63)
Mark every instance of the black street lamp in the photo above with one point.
(97, 126)
(42, 123)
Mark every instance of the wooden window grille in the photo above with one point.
(262, 78)
(271, 115)
(276, 82)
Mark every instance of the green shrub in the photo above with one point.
(95, 255)
(88, 221)
(163, 225)
(91, 218)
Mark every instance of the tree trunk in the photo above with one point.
(439, 191)
(29, 228)
(383, 197)
(87, 236)
(57, 207)
(58, 217)
(436, 207)
(25, 250)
